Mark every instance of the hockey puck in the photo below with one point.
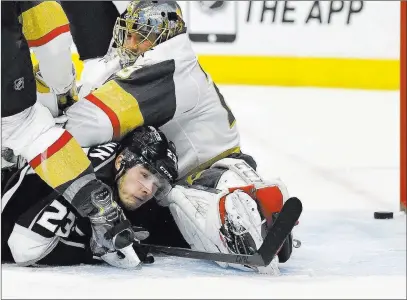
(383, 215)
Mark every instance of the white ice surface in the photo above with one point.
(338, 151)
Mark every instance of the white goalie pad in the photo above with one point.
(240, 173)
(200, 215)
(196, 213)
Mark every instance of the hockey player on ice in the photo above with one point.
(163, 85)
(46, 230)
(42, 228)
(156, 75)
(27, 127)
(159, 79)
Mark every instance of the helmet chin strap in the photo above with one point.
(120, 172)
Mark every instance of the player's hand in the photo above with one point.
(65, 100)
(141, 234)
(112, 234)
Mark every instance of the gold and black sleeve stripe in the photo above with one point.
(132, 98)
(62, 162)
(42, 21)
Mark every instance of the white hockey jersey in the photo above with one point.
(46, 28)
(166, 87)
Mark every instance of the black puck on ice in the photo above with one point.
(383, 215)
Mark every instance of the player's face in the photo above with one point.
(137, 43)
(136, 187)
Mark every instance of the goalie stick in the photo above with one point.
(274, 239)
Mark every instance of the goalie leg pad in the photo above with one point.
(241, 219)
(270, 194)
(217, 221)
(196, 214)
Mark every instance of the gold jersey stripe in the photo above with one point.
(42, 19)
(63, 161)
(123, 104)
(197, 172)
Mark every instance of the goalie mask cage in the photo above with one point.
(403, 106)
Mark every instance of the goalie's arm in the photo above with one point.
(133, 97)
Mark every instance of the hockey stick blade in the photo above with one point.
(274, 239)
(280, 229)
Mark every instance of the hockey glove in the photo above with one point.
(141, 234)
(112, 234)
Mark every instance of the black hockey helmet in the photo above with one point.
(149, 147)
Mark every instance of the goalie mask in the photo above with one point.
(149, 148)
(151, 23)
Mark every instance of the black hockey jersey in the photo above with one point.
(25, 181)
(28, 198)
(25, 190)
(43, 27)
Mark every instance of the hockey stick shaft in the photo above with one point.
(254, 260)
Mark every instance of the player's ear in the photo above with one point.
(118, 161)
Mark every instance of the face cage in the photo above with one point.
(161, 182)
(121, 30)
(163, 185)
